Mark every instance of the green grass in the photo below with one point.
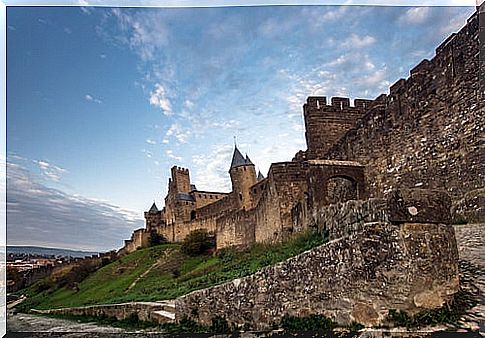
(178, 274)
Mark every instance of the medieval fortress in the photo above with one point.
(424, 134)
(383, 179)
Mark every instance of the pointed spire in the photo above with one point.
(248, 161)
(237, 158)
(260, 176)
(153, 209)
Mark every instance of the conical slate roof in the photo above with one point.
(153, 209)
(237, 158)
(248, 161)
(260, 176)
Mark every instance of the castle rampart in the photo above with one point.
(376, 261)
(426, 133)
(325, 124)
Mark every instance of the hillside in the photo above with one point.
(163, 272)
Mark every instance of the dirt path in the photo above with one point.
(471, 249)
(30, 323)
(159, 262)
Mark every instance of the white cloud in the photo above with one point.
(171, 155)
(178, 132)
(211, 168)
(415, 15)
(50, 171)
(146, 32)
(90, 98)
(159, 98)
(378, 79)
(53, 218)
(356, 41)
(149, 141)
(67, 30)
(189, 104)
(148, 154)
(102, 56)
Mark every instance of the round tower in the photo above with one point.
(243, 177)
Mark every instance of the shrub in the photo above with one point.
(156, 239)
(197, 243)
(310, 323)
(220, 325)
(43, 285)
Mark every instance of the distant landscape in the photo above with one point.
(38, 250)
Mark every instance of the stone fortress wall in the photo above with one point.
(427, 132)
(382, 256)
(424, 134)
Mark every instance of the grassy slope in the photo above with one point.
(175, 274)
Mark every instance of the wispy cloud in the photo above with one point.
(178, 132)
(171, 155)
(38, 215)
(356, 41)
(416, 15)
(50, 171)
(91, 98)
(159, 98)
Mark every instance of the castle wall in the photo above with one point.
(286, 185)
(426, 132)
(203, 198)
(256, 191)
(236, 229)
(415, 257)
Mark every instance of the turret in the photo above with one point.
(153, 217)
(326, 124)
(243, 177)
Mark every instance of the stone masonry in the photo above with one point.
(424, 134)
(378, 262)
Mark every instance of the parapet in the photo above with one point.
(179, 169)
(337, 103)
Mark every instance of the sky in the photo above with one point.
(102, 101)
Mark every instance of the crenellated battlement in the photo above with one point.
(182, 170)
(327, 123)
(336, 104)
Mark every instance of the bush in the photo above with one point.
(197, 243)
(156, 239)
(44, 285)
(310, 323)
(220, 325)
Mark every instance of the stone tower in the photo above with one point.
(243, 177)
(326, 124)
(179, 203)
(153, 217)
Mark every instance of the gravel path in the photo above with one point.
(25, 322)
(471, 248)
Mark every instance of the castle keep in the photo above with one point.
(424, 134)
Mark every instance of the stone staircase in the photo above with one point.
(166, 314)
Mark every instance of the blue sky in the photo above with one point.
(101, 102)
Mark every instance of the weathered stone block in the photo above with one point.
(419, 206)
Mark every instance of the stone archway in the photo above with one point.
(341, 189)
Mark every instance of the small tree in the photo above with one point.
(156, 238)
(197, 242)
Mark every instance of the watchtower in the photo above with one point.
(243, 177)
(326, 124)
